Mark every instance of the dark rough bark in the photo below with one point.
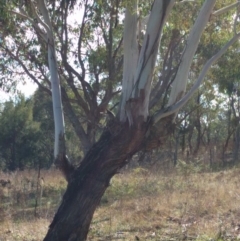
(90, 180)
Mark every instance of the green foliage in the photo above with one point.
(19, 134)
(43, 114)
(5, 17)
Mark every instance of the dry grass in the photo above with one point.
(138, 204)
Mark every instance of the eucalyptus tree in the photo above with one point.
(139, 123)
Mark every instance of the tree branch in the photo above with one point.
(80, 41)
(175, 107)
(130, 53)
(225, 9)
(20, 62)
(180, 82)
(24, 15)
(38, 18)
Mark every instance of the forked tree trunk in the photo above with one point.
(89, 182)
(132, 130)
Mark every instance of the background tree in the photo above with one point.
(27, 133)
(20, 141)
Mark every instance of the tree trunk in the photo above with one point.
(90, 180)
(176, 144)
(236, 145)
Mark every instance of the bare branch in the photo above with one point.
(225, 9)
(169, 69)
(175, 107)
(22, 15)
(77, 125)
(80, 41)
(20, 62)
(188, 1)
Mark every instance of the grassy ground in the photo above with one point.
(139, 205)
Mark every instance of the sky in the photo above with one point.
(28, 89)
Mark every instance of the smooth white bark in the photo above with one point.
(130, 53)
(59, 144)
(180, 82)
(147, 58)
(48, 36)
(175, 107)
(139, 82)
